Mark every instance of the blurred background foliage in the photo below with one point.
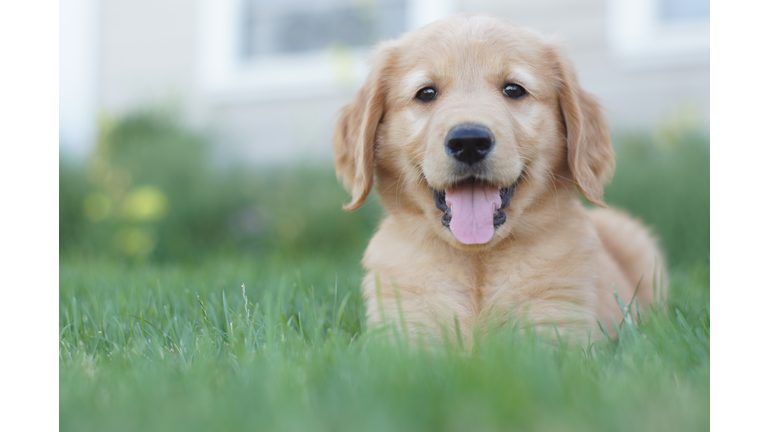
(149, 192)
(664, 181)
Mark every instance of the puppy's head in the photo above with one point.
(467, 123)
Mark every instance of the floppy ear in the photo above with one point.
(590, 154)
(354, 136)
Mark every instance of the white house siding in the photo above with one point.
(149, 54)
(276, 131)
(146, 53)
(633, 97)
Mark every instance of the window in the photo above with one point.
(647, 34)
(684, 10)
(294, 26)
(282, 49)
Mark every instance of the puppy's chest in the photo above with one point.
(481, 280)
(468, 285)
(544, 276)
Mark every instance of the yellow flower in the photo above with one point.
(145, 203)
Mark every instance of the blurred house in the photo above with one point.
(269, 75)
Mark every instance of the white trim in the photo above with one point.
(224, 78)
(78, 75)
(423, 12)
(640, 40)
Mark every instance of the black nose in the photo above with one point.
(469, 143)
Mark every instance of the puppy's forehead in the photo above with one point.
(465, 51)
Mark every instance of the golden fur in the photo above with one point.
(553, 259)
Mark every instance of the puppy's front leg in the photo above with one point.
(422, 313)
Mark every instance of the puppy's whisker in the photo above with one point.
(399, 189)
(552, 179)
(382, 192)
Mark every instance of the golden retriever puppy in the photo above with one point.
(478, 135)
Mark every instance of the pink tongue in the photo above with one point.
(472, 207)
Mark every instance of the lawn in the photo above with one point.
(238, 307)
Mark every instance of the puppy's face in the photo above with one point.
(468, 122)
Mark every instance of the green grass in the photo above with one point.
(150, 348)
(167, 341)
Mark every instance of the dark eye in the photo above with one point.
(514, 91)
(426, 94)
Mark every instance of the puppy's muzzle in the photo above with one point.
(469, 143)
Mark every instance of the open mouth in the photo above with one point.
(473, 209)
